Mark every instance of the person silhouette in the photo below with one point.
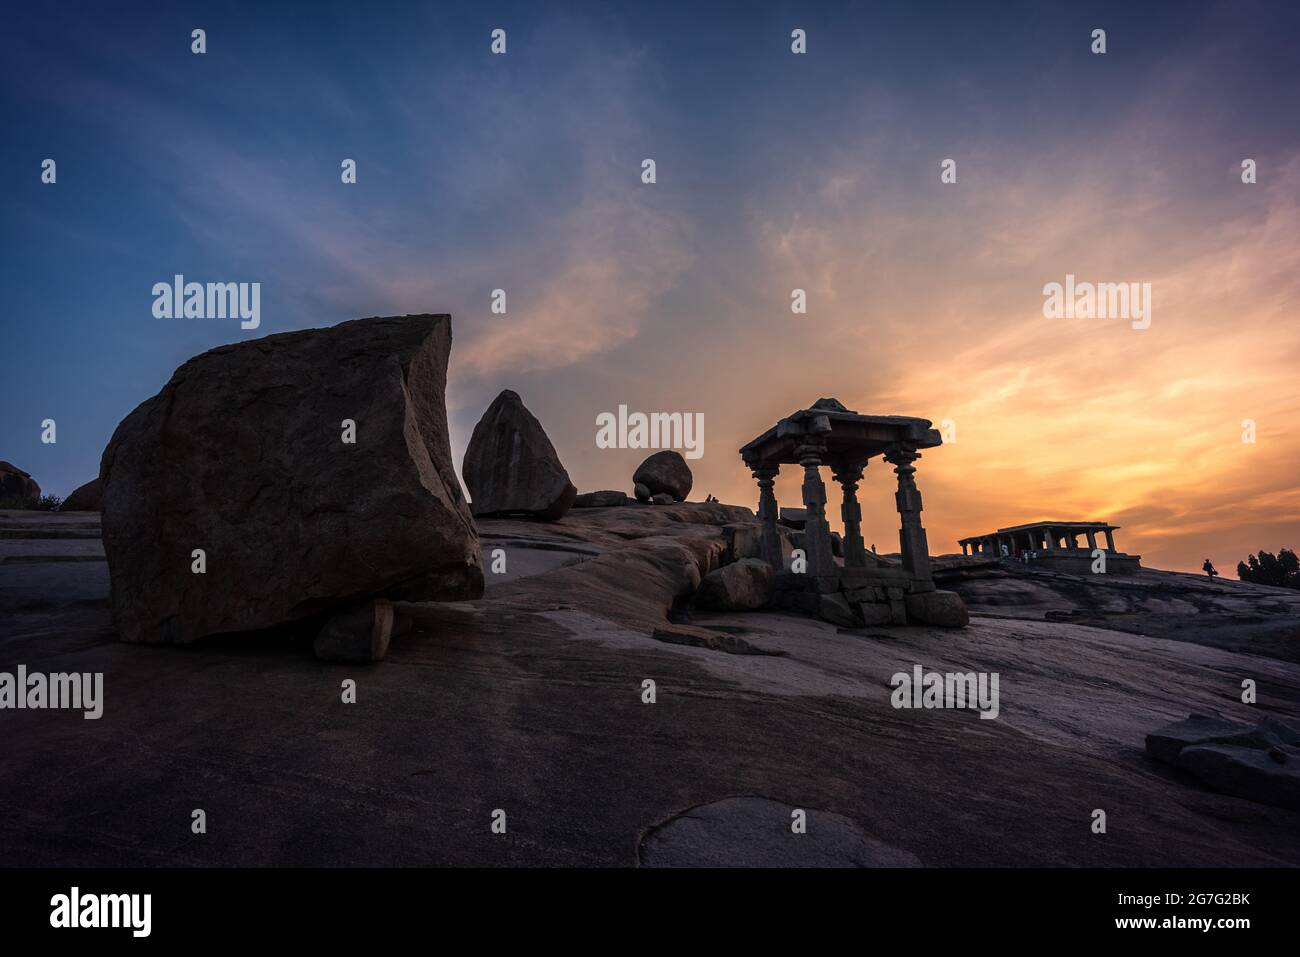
(1209, 569)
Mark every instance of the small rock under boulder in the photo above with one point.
(606, 498)
(642, 492)
(741, 586)
(17, 484)
(665, 473)
(85, 498)
(357, 635)
(511, 467)
(241, 455)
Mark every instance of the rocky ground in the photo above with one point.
(530, 700)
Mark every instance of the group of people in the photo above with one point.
(1023, 555)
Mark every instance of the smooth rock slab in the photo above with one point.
(242, 455)
(1256, 775)
(1258, 762)
(756, 832)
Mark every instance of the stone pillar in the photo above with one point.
(817, 534)
(963, 549)
(1110, 540)
(770, 539)
(911, 534)
(855, 550)
(1050, 536)
(1092, 540)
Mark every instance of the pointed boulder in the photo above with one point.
(511, 466)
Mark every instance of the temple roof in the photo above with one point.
(849, 438)
(1068, 526)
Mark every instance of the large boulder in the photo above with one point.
(313, 470)
(740, 586)
(511, 466)
(85, 498)
(18, 485)
(666, 473)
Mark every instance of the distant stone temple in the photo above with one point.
(865, 589)
(1053, 545)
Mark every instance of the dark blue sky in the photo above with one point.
(520, 171)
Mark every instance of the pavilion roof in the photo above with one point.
(1076, 526)
(848, 436)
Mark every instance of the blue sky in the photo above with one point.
(522, 172)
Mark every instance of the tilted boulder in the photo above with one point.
(666, 473)
(17, 484)
(740, 586)
(85, 498)
(311, 468)
(511, 466)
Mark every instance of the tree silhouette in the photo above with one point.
(1282, 569)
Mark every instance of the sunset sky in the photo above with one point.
(775, 171)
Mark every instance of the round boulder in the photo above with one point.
(667, 473)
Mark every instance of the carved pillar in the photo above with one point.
(770, 539)
(1092, 540)
(1110, 540)
(963, 549)
(855, 550)
(911, 535)
(817, 534)
(1050, 536)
